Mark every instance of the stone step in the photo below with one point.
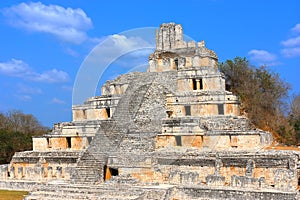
(84, 192)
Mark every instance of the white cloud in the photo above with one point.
(51, 76)
(292, 45)
(291, 42)
(57, 101)
(23, 97)
(71, 52)
(263, 57)
(24, 89)
(291, 52)
(67, 24)
(18, 68)
(14, 68)
(296, 28)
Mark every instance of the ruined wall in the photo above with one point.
(211, 142)
(74, 142)
(97, 108)
(40, 166)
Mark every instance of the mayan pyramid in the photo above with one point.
(173, 132)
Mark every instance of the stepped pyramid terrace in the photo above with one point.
(172, 132)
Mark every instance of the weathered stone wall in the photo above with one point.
(200, 193)
(65, 142)
(38, 167)
(97, 108)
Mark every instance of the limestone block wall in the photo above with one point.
(39, 144)
(39, 166)
(38, 172)
(192, 141)
(162, 61)
(200, 78)
(202, 104)
(4, 174)
(61, 143)
(97, 108)
(210, 142)
(86, 128)
(212, 133)
(114, 89)
(92, 114)
(241, 171)
(58, 143)
(170, 36)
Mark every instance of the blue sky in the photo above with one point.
(46, 45)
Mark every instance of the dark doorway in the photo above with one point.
(89, 139)
(69, 142)
(176, 63)
(109, 172)
(48, 143)
(178, 140)
(194, 84)
(201, 84)
(187, 110)
(221, 109)
(108, 112)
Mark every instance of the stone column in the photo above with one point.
(58, 172)
(19, 172)
(50, 172)
(12, 172)
(198, 84)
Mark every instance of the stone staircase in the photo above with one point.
(107, 191)
(89, 169)
(78, 192)
(132, 99)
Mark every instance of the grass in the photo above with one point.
(12, 195)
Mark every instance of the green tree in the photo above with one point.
(16, 131)
(294, 116)
(262, 94)
(17, 121)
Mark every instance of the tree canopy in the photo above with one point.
(294, 116)
(16, 131)
(263, 96)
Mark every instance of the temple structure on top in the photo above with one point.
(173, 132)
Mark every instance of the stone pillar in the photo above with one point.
(197, 84)
(178, 33)
(58, 172)
(218, 165)
(250, 168)
(12, 172)
(19, 172)
(50, 172)
(158, 40)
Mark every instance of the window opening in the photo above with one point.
(194, 84)
(221, 109)
(48, 143)
(178, 140)
(201, 84)
(108, 112)
(109, 172)
(187, 110)
(89, 139)
(69, 142)
(176, 63)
